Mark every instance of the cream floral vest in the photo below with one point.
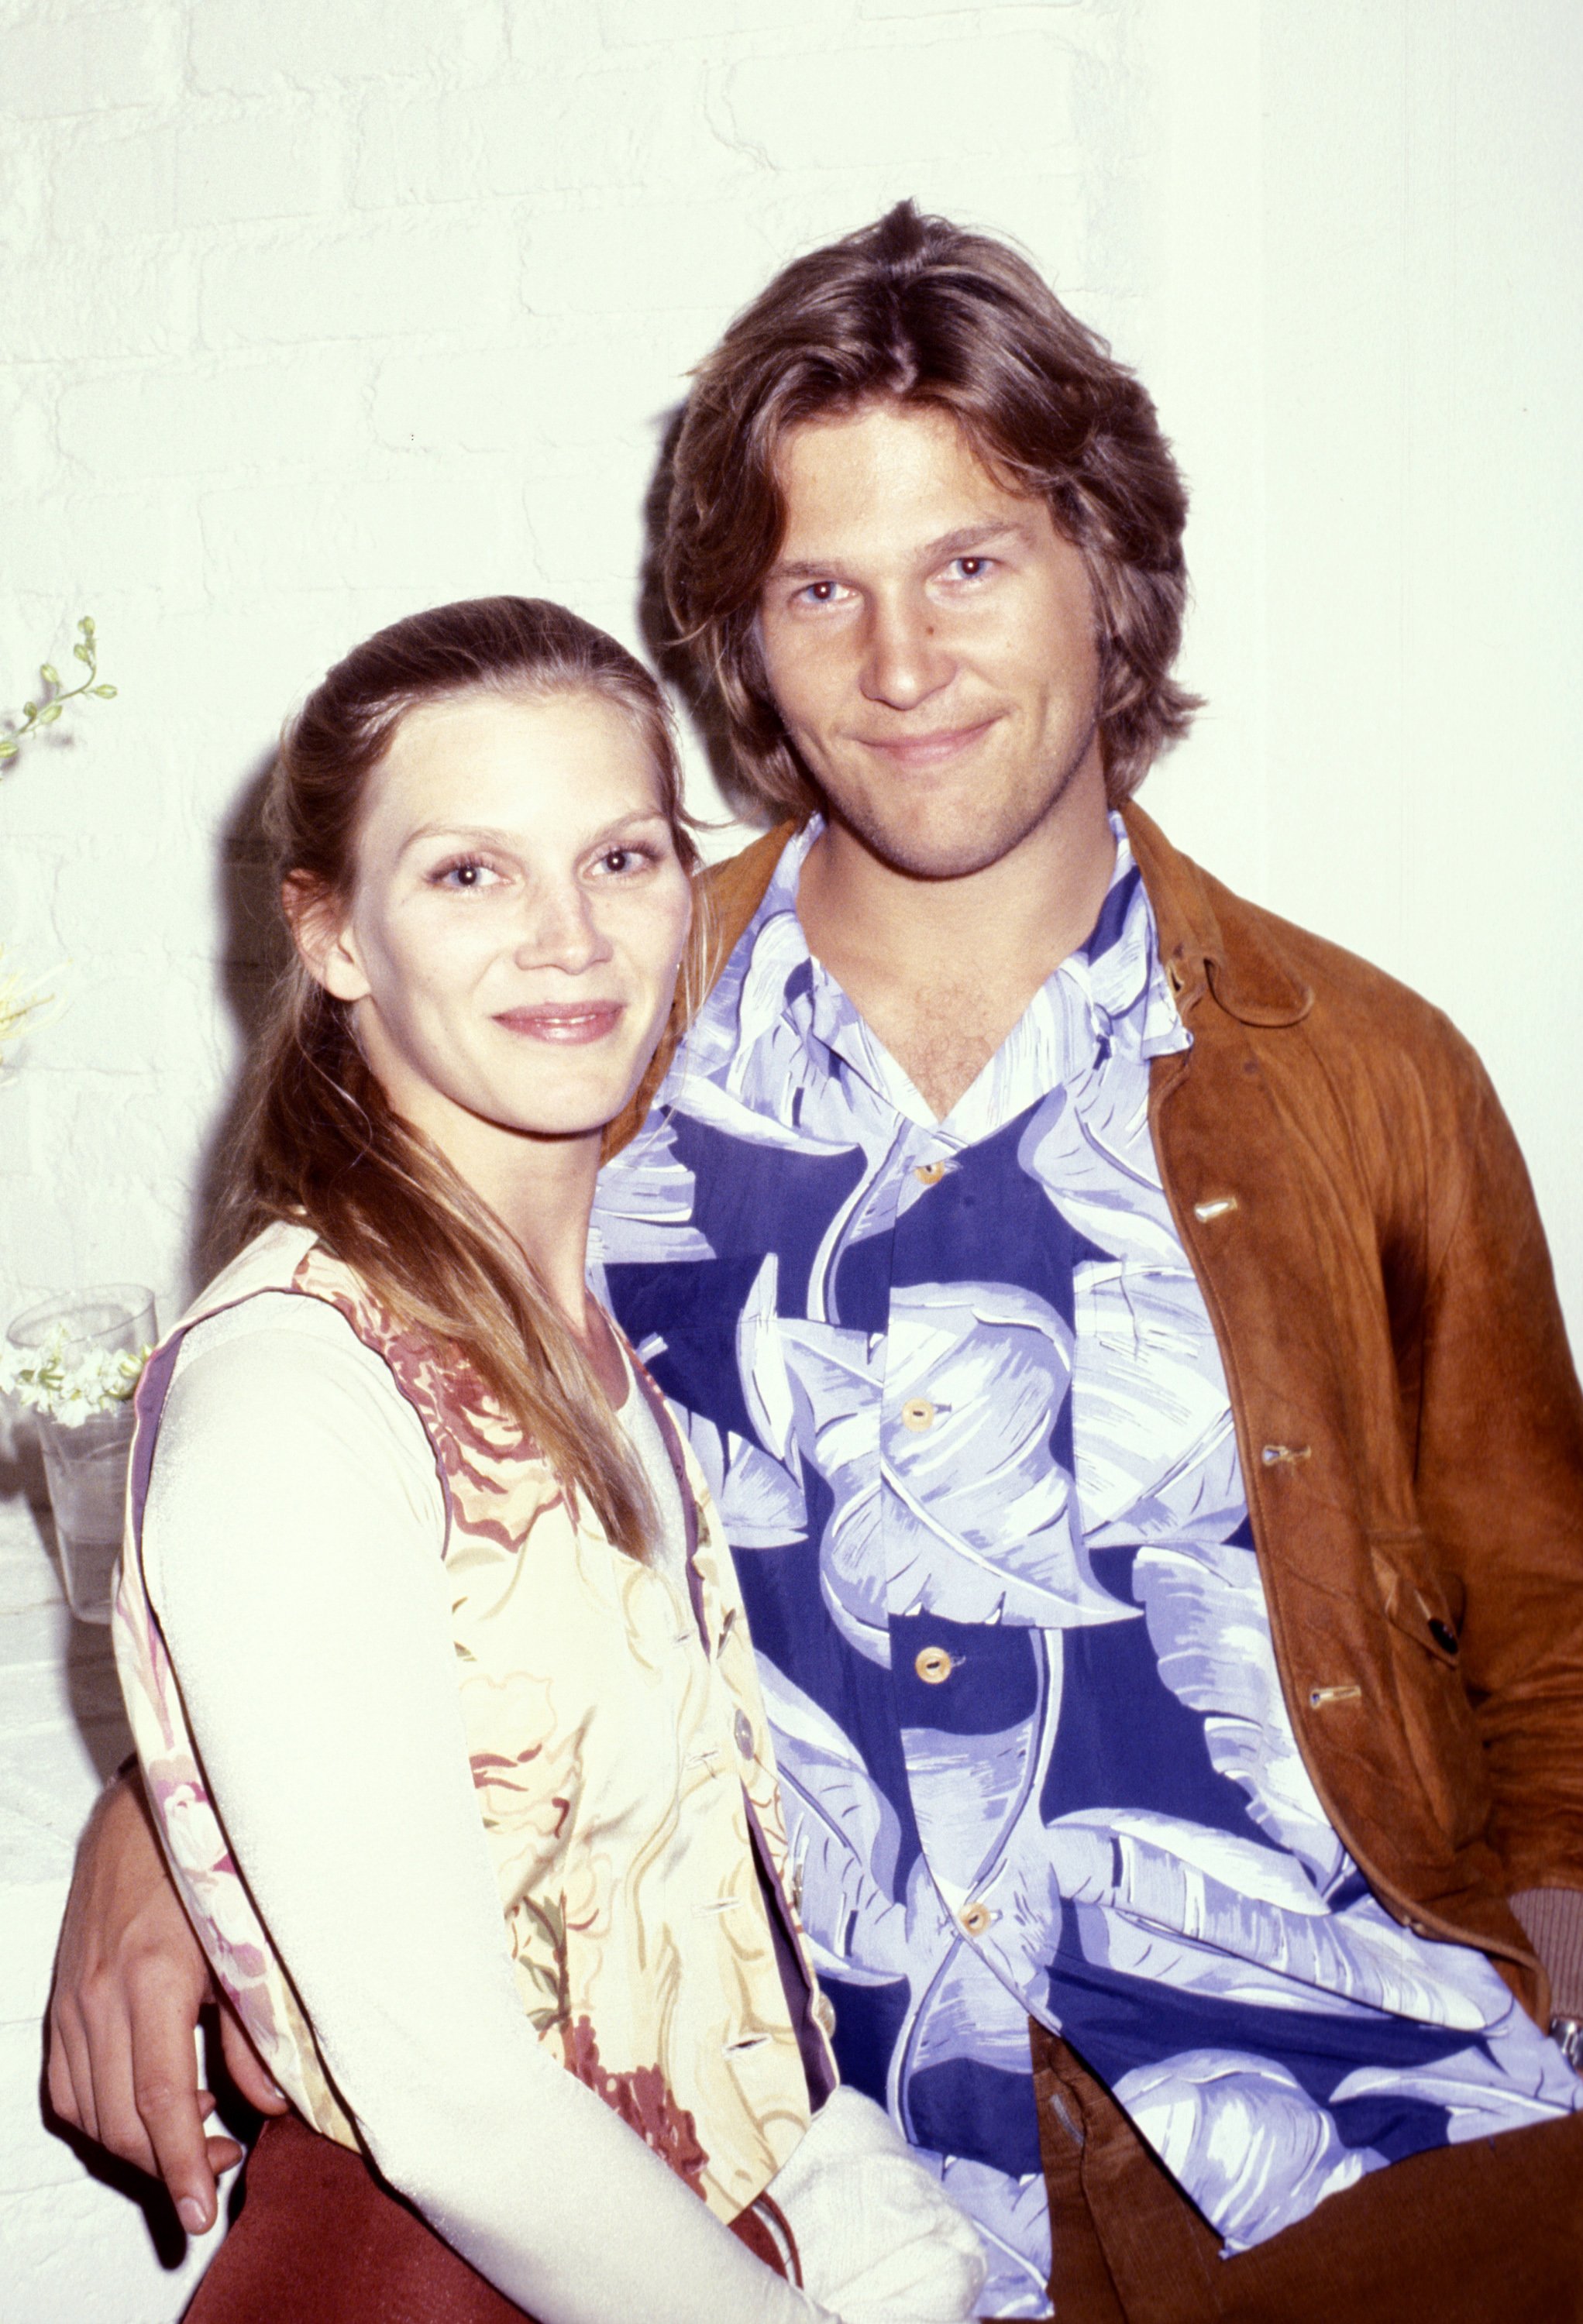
(622, 1764)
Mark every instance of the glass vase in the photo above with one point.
(85, 1466)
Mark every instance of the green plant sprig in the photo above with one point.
(50, 704)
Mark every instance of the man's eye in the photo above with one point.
(820, 593)
(971, 568)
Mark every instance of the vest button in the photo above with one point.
(934, 1665)
(930, 1173)
(975, 1918)
(1443, 1635)
(918, 1414)
(824, 2014)
(744, 1732)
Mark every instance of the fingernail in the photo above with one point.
(193, 2214)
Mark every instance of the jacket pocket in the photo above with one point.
(1436, 1715)
(1414, 1593)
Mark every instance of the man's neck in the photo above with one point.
(940, 970)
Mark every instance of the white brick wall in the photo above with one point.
(319, 310)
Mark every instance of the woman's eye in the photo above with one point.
(465, 876)
(820, 593)
(616, 861)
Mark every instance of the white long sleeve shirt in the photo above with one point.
(291, 1551)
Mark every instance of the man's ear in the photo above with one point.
(323, 936)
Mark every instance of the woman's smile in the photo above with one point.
(563, 1020)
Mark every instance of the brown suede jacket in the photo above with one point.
(1359, 1219)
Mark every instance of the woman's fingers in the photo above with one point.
(246, 2068)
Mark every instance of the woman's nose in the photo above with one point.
(561, 930)
(906, 660)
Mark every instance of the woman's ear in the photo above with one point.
(322, 936)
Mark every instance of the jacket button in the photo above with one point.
(918, 1414)
(824, 2014)
(934, 1665)
(930, 1173)
(744, 1733)
(975, 1918)
(1215, 1208)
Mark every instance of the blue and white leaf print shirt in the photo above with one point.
(956, 1390)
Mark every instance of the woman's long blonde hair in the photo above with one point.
(321, 1145)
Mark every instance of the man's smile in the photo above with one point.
(933, 748)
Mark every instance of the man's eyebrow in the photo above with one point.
(963, 542)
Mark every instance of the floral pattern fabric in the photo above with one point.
(621, 1763)
(956, 1393)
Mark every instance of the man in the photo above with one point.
(1121, 1337)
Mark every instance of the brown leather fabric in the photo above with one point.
(1409, 1420)
(1357, 1214)
(322, 2240)
(1462, 2233)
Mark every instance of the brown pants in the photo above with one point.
(321, 2240)
(1486, 2233)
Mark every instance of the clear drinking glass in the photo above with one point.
(86, 1466)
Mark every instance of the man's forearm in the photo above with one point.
(129, 1983)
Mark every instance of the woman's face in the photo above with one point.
(519, 915)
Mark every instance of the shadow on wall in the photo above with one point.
(256, 952)
(256, 949)
(702, 705)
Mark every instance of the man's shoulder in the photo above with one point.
(735, 887)
(1268, 972)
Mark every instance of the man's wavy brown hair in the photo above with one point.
(917, 310)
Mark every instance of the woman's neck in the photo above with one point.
(541, 1190)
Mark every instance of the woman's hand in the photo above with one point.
(879, 2239)
(129, 1983)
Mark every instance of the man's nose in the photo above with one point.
(562, 929)
(906, 658)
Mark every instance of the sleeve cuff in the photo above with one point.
(1552, 1920)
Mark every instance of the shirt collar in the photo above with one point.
(1110, 995)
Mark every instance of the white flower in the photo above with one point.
(69, 1393)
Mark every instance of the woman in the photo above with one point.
(424, 1616)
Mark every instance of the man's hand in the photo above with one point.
(130, 1980)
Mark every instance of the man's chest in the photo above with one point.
(959, 1367)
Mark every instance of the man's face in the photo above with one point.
(929, 639)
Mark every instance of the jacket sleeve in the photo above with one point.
(1499, 1476)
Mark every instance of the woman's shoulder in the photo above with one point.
(270, 1335)
(270, 1261)
(270, 1387)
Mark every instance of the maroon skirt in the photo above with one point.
(322, 2240)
